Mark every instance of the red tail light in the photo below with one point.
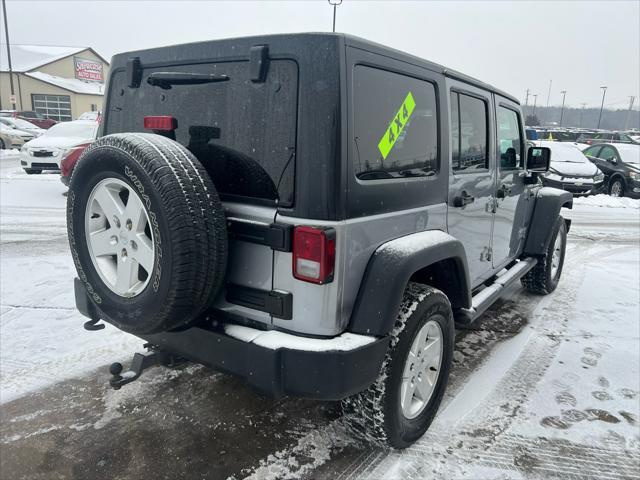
(70, 159)
(160, 122)
(314, 254)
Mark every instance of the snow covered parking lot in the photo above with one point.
(542, 387)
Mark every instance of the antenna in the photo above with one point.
(335, 3)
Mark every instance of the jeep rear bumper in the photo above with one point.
(274, 362)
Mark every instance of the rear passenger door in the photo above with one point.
(472, 181)
(513, 200)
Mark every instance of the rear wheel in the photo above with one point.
(544, 277)
(147, 232)
(616, 188)
(2, 146)
(399, 407)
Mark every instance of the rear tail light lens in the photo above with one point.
(160, 122)
(314, 254)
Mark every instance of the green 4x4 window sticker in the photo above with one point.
(396, 126)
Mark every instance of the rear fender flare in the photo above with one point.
(389, 270)
(549, 201)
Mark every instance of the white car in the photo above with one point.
(22, 125)
(571, 170)
(47, 151)
(95, 116)
(12, 138)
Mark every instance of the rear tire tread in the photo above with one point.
(364, 413)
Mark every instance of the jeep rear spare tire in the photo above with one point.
(146, 231)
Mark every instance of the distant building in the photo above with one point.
(60, 83)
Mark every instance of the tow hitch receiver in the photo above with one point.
(140, 362)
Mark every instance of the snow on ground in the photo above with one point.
(602, 200)
(9, 154)
(41, 335)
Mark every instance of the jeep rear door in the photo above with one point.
(472, 180)
(513, 199)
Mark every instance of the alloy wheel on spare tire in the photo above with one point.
(147, 232)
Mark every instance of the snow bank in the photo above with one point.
(9, 154)
(607, 201)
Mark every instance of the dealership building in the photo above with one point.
(60, 83)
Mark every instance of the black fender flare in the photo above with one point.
(546, 210)
(388, 273)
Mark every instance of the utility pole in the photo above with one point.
(564, 94)
(549, 95)
(6, 32)
(581, 112)
(535, 100)
(335, 3)
(526, 99)
(626, 122)
(604, 92)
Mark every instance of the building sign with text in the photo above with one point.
(88, 70)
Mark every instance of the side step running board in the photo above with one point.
(485, 298)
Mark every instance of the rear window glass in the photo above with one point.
(469, 133)
(396, 129)
(243, 132)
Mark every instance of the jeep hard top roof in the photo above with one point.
(159, 53)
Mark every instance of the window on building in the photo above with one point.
(54, 107)
(396, 125)
(509, 139)
(468, 133)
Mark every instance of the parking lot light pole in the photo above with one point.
(6, 32)
(564, 94)
(335, 3)
(604, 92)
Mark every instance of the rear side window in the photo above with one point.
(608, 153)
(468, 133)
(244, 133)
(592, 151)
(396, 125)
(509, 139)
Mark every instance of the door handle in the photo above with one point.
(463, 199)
(503, 191)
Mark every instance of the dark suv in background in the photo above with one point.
(606, 137)
(620, 163)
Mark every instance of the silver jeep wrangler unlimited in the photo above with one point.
(312, 212)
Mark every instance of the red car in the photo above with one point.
(68, 162)
(30, 116)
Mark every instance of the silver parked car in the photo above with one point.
(22, 125)
(12, 138)
(571, 170)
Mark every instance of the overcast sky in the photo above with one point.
(513, 45)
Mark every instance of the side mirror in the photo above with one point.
(613, 160)
(538, 159)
